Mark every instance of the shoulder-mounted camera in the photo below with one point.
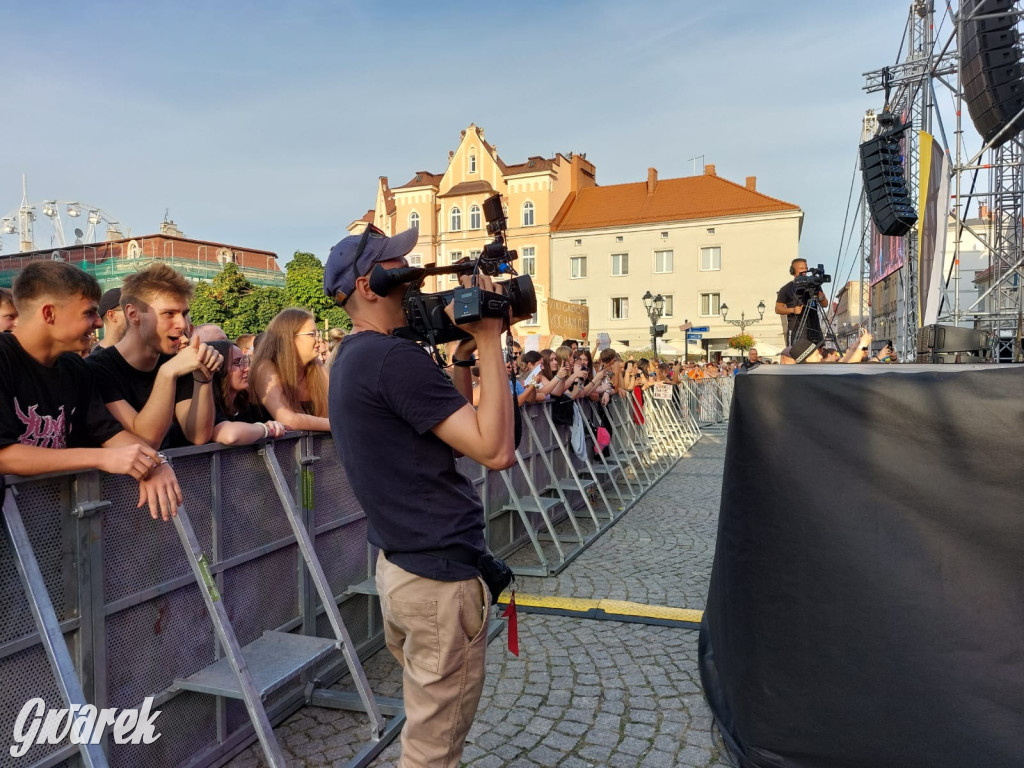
(425, 312)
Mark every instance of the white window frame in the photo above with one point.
(575, 261)
(453, 256)
(472, 162)
(620, 264)
(528, 256)
(455, 219)
(710, 249)
(474, 217)
(415, 259)
(671, 261)
(532, 320)
(670, 305)
(717, 303)
(529, 214)
(623, 303)
(414, 220)
(581, 302)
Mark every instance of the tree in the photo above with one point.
(304, 287)
(235, 304)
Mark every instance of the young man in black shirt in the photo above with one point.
(789, 304)
(51, 418)
(398, 423)
(144, 378)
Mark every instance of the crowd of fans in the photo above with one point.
(169, 384)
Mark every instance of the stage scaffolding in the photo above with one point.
(986, 184)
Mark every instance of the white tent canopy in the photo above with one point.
(763, 350)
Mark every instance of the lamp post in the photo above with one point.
(742, 323)
(654, 305)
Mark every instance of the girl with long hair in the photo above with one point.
(539, 371)
(239, 420)
(288, 377)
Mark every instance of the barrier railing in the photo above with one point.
(113, 604)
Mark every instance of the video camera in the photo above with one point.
(807, 285)
(424, 312)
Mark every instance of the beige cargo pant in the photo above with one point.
(438, 632)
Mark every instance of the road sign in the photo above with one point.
(686, 326)
(694, 336)
(700, 329)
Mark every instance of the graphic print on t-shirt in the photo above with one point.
(41, 431)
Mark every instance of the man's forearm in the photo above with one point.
(198, 422)
(494, 413)
(25, 460)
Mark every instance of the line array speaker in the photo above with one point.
(992, 76)
(885, 186)
(951, 344)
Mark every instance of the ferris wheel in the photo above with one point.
(20, 232)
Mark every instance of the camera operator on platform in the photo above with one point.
(399, 423)
(792, 305)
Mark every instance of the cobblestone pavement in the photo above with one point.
(582, 692)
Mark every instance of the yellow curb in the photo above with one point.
(623, 608)
(552, 601)
(609, 607)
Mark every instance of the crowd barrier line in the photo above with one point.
(104, 605)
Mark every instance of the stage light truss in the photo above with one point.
(929, 67)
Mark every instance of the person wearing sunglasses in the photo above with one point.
(399, 423)
(239, 421)
(288, 377)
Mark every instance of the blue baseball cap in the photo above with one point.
(355, 256)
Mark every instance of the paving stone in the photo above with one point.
(583, 693)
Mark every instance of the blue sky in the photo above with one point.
(266, 124)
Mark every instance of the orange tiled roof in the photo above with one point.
(691, 197)
(422, 179)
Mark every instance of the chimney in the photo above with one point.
(652, 180)
(983, 212)
(752, 183)
(709, 169)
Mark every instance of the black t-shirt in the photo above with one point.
(117, 379)
(812, 329)
(252, 414)
(385, 396)
(49, 407)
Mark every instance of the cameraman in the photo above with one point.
(792, 301)
(399, 423)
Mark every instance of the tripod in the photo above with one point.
(811, 306)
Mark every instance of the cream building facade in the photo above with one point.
(699, 241)
(447, 209)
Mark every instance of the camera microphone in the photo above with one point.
(383, 280)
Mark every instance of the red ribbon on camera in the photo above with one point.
(513, 625)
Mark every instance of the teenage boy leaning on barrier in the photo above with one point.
(51, 417)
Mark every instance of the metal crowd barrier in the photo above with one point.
(103, 605)
(707, 400)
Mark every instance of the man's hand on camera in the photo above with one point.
(798, 309)
(485, 326)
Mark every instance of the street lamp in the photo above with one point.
(742, 323)
(654, 305)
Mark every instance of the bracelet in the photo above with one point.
(463, 363)
(163, 459)
(266, 431)
(201, 381)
